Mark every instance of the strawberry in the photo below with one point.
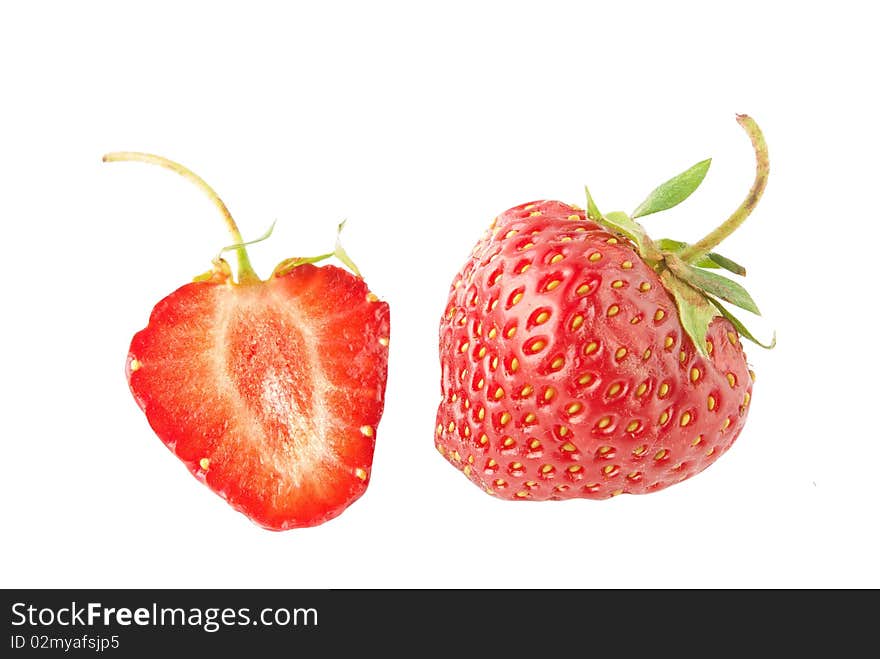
(581, 359)
(270, 392)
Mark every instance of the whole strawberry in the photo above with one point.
(580, 358)
(270, 392)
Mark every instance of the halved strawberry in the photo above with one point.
(270, 392)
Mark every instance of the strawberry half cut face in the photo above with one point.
(270, 392)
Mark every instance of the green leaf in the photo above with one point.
(620, 222)
(713, 284)
(711, 260)
(694, 309)
(746, 334)
(674, 191)
(593, 211)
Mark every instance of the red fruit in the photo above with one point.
(270, 392)
(581, 359)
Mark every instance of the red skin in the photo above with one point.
(270, 393)
(622, 438)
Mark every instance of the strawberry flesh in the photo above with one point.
(269, 392)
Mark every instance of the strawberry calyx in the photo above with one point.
(221, 271)
(686, 269)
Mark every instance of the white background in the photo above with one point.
(419, 122)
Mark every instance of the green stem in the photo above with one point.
(762, 171)
(245, 269)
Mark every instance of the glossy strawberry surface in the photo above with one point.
(566, 371)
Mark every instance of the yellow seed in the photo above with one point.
(451, 427)
(367, 431)
(549, 392)
(492, 333)
(522, 494)
(456, 456)
(491, 464)
(493, 304)
(709, 347)
(682, 356)
(664, 389)
(511, 233)
(647, 354)
(481, 413)
(642, 388)
(504, 419)
(583, 289)
(204, 463)
(613, 310)
(586, 378)
(557, 363)
(668, 342)
(372, 297)
(604, 450)
(530, 418)
(483, 439)
(626, 265)
(524, 267)
(595, 256)
(746, 399)
(644, 287)
(441, 449)
(659, 314)
(493, 364)
(609, 470)
(467, 431)
(516, 466)
(467, 470)
(508, 442)
(526, 390)
(510, 332)
(537, 346)
(664, 418)
(481, 352)
(464, 346)
(620, 354)
(616, 284)
(556, 258)
(530, 484)
(500, 483)
(731, 380)
(710, 403)
(454, 397)
(640, 450)
(516, 298)
(546, 469)
(542, 318)
(611, 241)
(574, 218)
(613, 390)
(360, 473)
(633, 426)
(439, 429)
(552, 284)
(563, 431)
(604, 422)
(685, 419)
(499, 393)
(575, 469)
(565, 239)
(697, 440)
(534, 213)
(710, 451)
(731, 337)
(134, 365)
(534, 444)
(526, 246)
(480, 383)
(726, 424)
(568, 447)
(635, 320)
(591, 347)
(577, 321)
(514, 365)
(574, 408)
(659, 455)
(383, 341)
(695, 374)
